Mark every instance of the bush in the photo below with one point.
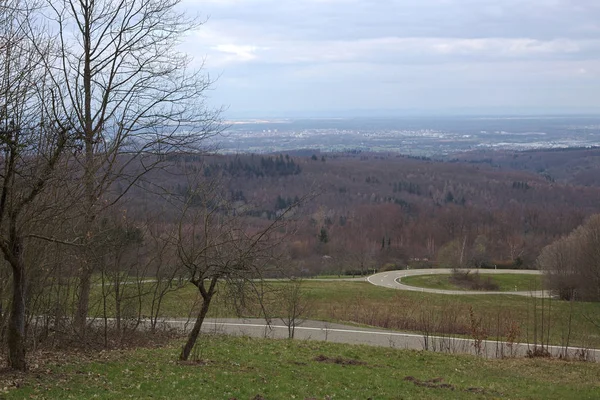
(355, 272)
(392, 267)
(472, 281)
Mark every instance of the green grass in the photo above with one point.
(340, 276)
(243, 368)
(506, 282)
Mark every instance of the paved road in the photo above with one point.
(393, 279)
(338, 333)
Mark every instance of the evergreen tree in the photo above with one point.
(323, 236)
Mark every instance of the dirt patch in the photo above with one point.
(338, 360)
(438, 383)
(435, 383)
(98, 339)
(195, 363)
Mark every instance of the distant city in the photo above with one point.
(414, 136)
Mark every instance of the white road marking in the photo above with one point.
(408, 335)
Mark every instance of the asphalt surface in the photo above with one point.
(338, 333)
(393, 279)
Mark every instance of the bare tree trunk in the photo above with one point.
(16, 324)
(118, 303)
(189, 345)
(3, 311)
(206, 299)
(88, 178)
(83, 301)
(462, 251)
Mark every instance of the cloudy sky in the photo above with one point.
(361, 57)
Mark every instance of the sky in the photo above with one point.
(341, 58)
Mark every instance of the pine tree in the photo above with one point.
(323, 236)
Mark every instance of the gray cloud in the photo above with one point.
(354, 19)
(335, 54)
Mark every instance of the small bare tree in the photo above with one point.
(294, 300)
(165, 271)
(215, 245)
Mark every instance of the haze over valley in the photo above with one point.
(419, 136)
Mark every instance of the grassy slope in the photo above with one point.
(506, 282)
(242, 368)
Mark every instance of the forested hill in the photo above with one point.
(572, 165)
(381, 209)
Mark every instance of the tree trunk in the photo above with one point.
(189, 345)
(88, 177)
(118, 306)
(462, 251)
(16, 324)
(83, 301)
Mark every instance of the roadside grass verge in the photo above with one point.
(245, 368)
(505, 282)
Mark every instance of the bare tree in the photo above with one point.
(214, 245)
(295, 304)
(557, 260)
(572, 263)
(119, 255)
(166, 272)
(33, 146)
(132, 96)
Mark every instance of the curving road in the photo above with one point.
(393, 279)
(339, 333)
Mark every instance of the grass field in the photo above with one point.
(245, 368)
(505, 282)
(365, 304)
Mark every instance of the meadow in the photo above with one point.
(253, 369)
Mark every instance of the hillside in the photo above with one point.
(578, 166)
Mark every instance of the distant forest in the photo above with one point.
(388, 211)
